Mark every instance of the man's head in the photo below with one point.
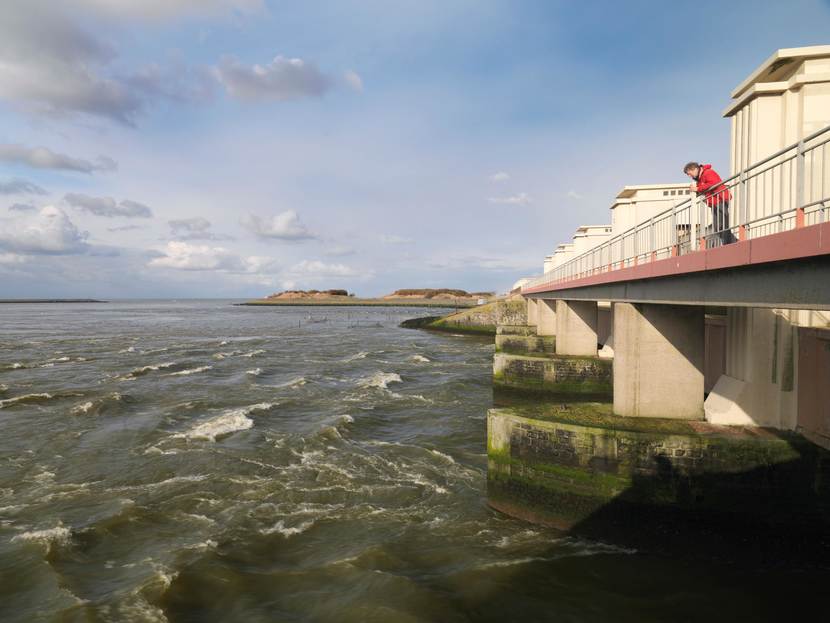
(692, 169)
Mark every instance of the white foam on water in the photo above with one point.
(420, 359)
(287, 532)
(225, 355)
(82, 408)
(191, 371)
(228, 422)
(254, 353)
(130, 349)
(254, 372)
(58, 535)
(25, 398)
(130, 376)
(381, 380)
(361, 355)
(223, 343)
(298, 382)
(446, 457)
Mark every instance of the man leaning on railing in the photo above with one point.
(717, 196)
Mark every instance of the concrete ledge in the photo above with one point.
(579, 467)
(525, 344)
(588, 377)
(521, 329)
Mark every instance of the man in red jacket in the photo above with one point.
(708, 182)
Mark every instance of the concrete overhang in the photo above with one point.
(780, 65)
(629, 191)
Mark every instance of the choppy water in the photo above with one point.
(196, 461)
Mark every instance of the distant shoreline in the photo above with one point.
(14, 301)
(355, 302)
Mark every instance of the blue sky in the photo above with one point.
(239, 147)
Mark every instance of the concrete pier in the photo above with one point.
(576, 328)
(658, 361)
(545, 317)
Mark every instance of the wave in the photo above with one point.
(361, 355)
(287, 532)
(254, 372)
(228, 422)
(25, 399)
(16, 365)
(381, 380)
(420, 359)
(225, 355)
(95, 406)
(191, 371)
(133, 374)
(254, 353)
(59, 535)
(297, 382)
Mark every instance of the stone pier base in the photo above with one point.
(584, 377)
(578, 467)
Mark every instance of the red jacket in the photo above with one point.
(710, 183)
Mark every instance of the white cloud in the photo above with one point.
(572, 194)
(43, 158)
(501, 176)
(196, 228)
(17, 186)
(354, 80)
(185, 256)
(281, 79)
(11, 258)
(283, 226)
(520, 199)
(107, 206)
(339, 251)
(394, 239)
(50, 64)
(164, 9)
(45, 231)
(316, 268)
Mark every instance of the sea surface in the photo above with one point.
(200, 461)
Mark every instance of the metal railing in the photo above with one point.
(787, 190)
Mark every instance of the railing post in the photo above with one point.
(701, 219)
(675, 247)
(743, 207)
(799, 185)
(636, 253)
(652, 239)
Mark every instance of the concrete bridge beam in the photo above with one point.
(658, 361)
(576, 328)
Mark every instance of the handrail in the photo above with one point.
(788, 194)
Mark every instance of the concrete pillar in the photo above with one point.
(576, 328)
(546, 317)
(658, 360)
(758, 387)
(532, 313)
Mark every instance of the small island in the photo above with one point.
(413, 297)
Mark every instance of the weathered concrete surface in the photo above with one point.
(561, 376)
(480, 320)
(545, 317)
(525, 344)
(577, 466)
(532, 311)
(518, 329)
(576, 328)
(658, 361)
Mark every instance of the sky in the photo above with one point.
(235, 148)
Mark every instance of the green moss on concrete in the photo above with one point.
(555, 375)
(566, 461)
(531, 345)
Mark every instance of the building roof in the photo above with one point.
(778, 66)
(777, 74)
(629, 191)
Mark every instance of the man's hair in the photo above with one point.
(689, 166)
